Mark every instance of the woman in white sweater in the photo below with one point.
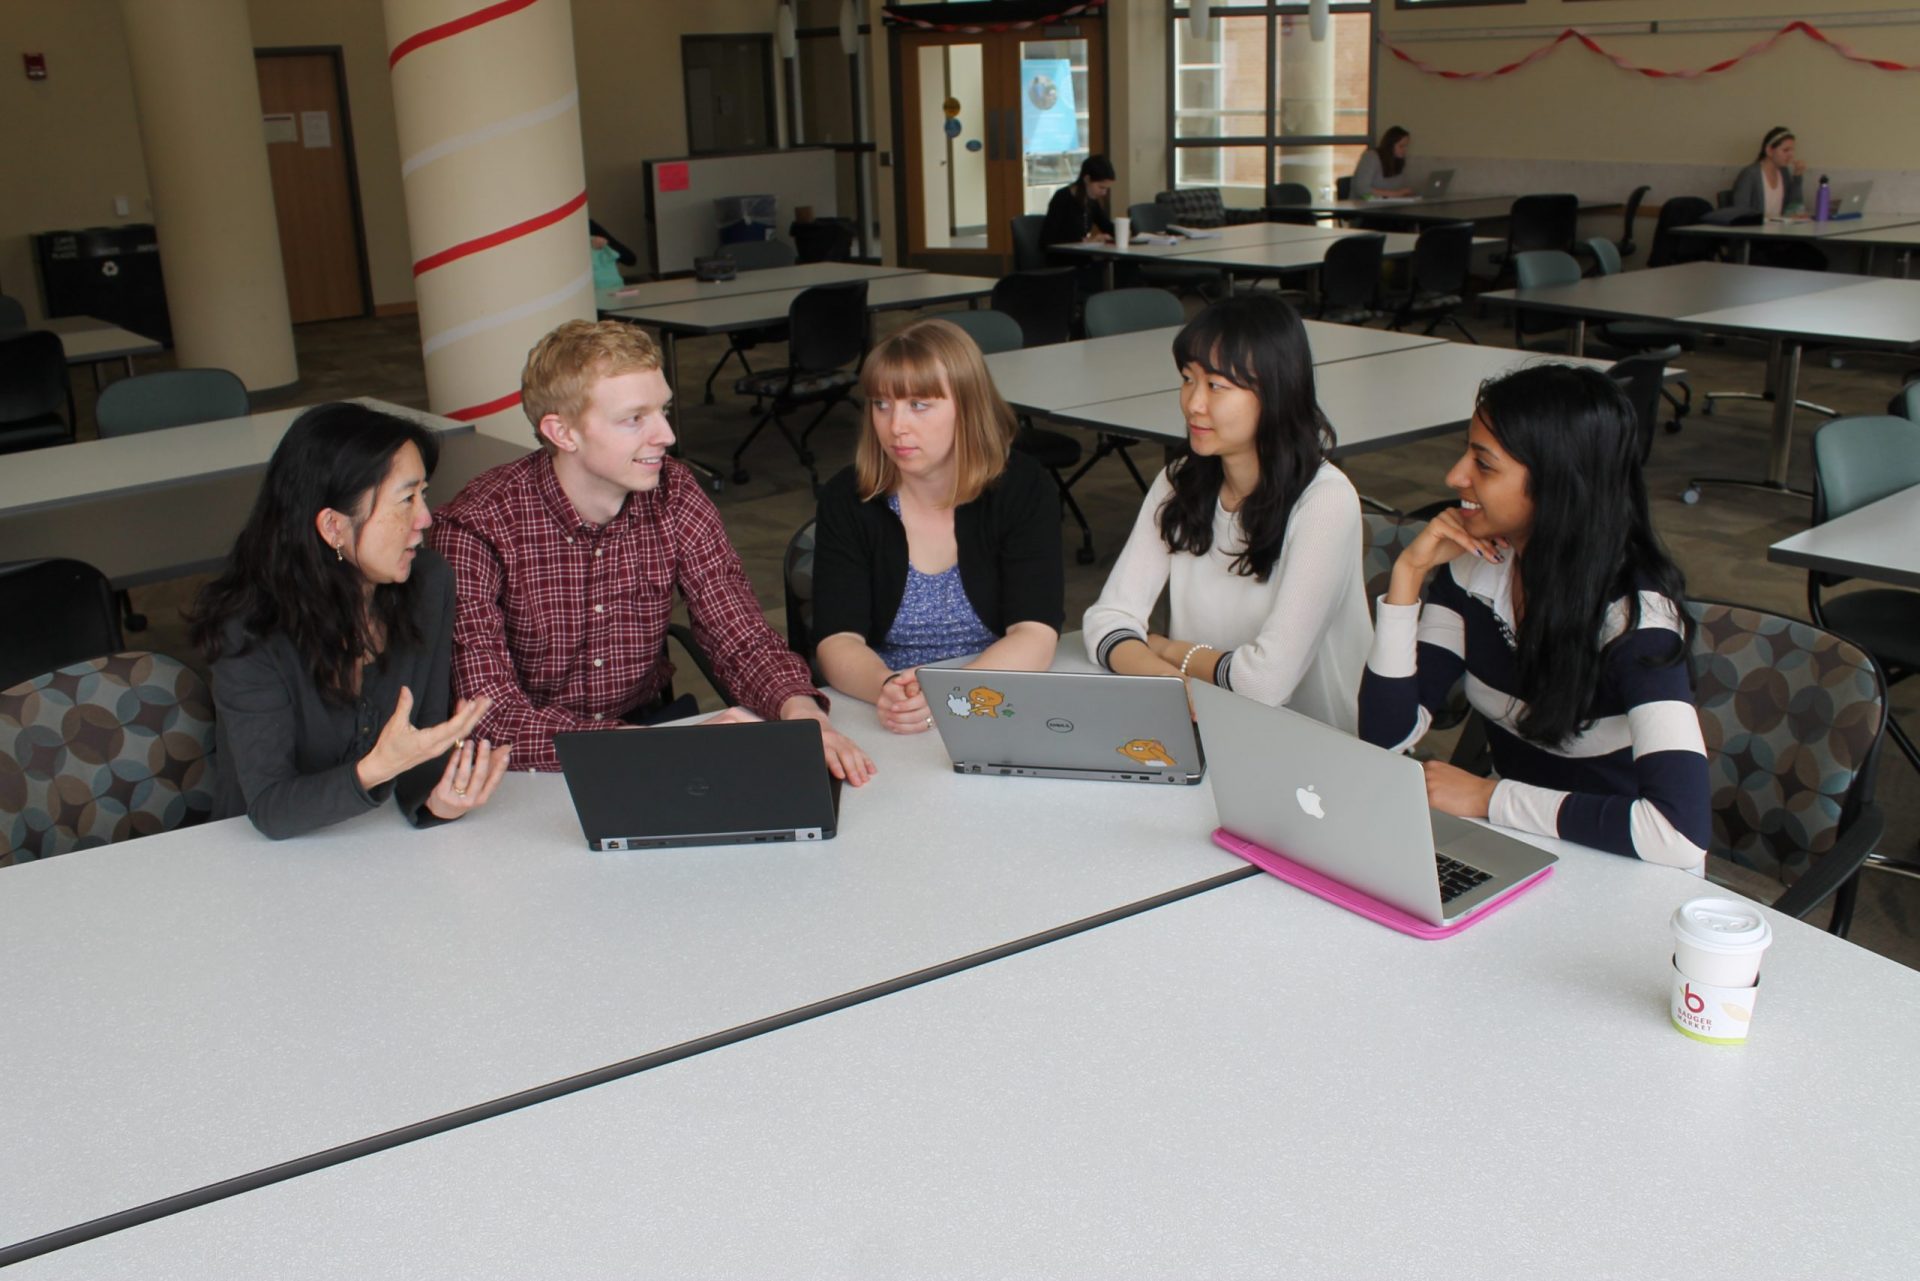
(1253, 533)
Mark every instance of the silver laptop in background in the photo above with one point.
(1438, 183)
(1850, 198)
(1091, 725)
(1353, 812)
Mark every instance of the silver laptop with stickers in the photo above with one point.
(1094, 725)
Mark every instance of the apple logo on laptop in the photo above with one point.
(1309, 801)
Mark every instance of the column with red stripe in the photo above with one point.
(488, 115)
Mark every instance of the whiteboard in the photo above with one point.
(681, 222)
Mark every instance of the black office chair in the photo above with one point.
(1625, 245)
(1539, 222)
(1289, 193)
(36, 399)
(1438, 287)
(1343, 188)
(1622, 338)
(752, 255)
(1042, 301)
(73, 617)
(1350, 279)
(1669, 249)
(1640, 377)
(13, 316)
(829, 328)
(796, 582)
(1028, 253)
(823, 240)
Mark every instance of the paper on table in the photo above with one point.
(1194, 233)
(1153, 238)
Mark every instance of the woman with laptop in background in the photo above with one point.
(1556, 600)
(1773, 187)
(1252, 533)
(331, 637)
(939, 541)
(1381, 170)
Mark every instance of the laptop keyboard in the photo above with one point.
(1456, 878)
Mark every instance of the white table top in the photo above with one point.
(61, 474)
(1245, 235)
(1303, 254)
(1682, 292)
(656, 293)
(87, 339)
(1248, 1082)
(1860, 312)
(747, 311)
(1882, 228)
(1880, 541)
(1046, 379)
(1373, 402)
(202, 1004)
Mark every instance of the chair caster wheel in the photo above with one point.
(1084, 556)
(1691, 496)
(739, 475)
(1673, 426)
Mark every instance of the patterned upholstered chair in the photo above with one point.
(101, 751)
(1203, 207)
(1793, 718)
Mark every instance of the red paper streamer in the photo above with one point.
(1593, 46)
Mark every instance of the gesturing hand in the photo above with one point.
(473, 771)
(401, 745)
(902, 705)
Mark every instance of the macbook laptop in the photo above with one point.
(1097, 725)
(1438, 183)
(1849, 199)
(735, 784)
(1349, 821)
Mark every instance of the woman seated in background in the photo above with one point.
(940, 541)
(1559, 604)
(1253, 534)
(1075, 213)
(1381, 170)
(1773, 186)
(331, 638)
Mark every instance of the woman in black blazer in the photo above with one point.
(940, 541)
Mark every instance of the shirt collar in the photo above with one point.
(561, 509)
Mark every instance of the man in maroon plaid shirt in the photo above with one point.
(567, 562)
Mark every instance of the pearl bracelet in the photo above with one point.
(1191, 651)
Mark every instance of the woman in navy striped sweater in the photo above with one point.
(1559, 605)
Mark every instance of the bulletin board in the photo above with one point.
(681, 192)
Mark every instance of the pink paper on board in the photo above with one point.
(671, 177)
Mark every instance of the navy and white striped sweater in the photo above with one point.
(1634, 782)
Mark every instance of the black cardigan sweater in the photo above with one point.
(1009, 543)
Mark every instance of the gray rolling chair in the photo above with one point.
(752, 255)
(1906, 403)
(1541, 269)
(828, 324)
(36, 399)
(1623, 338)
(170, 398)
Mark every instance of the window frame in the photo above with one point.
(1272, 141)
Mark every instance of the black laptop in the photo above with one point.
(736, 784)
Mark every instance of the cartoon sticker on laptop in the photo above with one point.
(1147, 751)
(978, 701)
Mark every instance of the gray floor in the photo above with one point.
(1720, 543)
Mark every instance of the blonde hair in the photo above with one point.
(563, 367)
(927, 360)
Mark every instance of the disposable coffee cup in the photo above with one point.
(1717, 946)
(1123, 232)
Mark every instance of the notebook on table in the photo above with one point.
(735, 784)
(1090, 725)
(1349, 821)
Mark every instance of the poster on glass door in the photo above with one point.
(1046, 91)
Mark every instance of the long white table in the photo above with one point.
(1879, 541)
(1248, 1082)
(1252, 249)
(90, 341)
(197, 1006)
(1866, 232)
(1048, 380)
(43, 478)
(655, 293)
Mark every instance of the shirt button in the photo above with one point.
(599, 609)
(597, 716)
(596, 553)
(569, 538)
(599, 662)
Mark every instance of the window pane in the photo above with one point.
(1220, 83)
(1324, 85)
(1239, 172)
(1054, 115)
(1317, 167)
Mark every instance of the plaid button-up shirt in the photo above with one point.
(561, 623)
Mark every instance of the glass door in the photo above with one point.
(992, 125)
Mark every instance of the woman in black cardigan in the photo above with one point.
(939, 542)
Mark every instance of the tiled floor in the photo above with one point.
(1720, 543)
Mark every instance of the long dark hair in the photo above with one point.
(1255, 341)
(1390, 164)
(1095, 168)
(1592, 541)
(1774, 137)
(283, 577)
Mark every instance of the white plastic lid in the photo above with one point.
(1722, 925)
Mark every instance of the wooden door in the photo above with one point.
(310, 155)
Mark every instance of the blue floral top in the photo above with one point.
(936, 620)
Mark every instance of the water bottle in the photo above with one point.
(1326, 193)
(1823, 201)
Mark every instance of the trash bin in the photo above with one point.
(745, 218)
(112, 273)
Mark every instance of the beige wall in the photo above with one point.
(1576, 105)
(68, 144)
